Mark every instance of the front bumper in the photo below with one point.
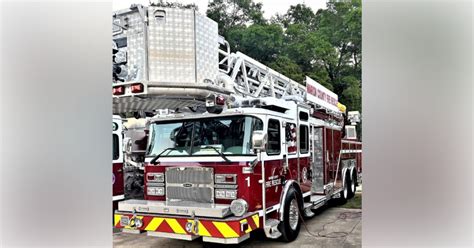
(231, 230)
(178, 208)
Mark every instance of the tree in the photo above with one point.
(340, 23)
(263, 42)
(234, 13)
(299, 14)
(352, 95)
(287, 67)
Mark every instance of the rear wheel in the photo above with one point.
(291, 224)
(352, 188)
(345, 191)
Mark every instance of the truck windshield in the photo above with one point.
(229, 135)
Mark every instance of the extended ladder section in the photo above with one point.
(253, 79)
(170, 58)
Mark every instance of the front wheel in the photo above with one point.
(290, 227)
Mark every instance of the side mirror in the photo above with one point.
(259, 140)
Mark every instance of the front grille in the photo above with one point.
(190, 184)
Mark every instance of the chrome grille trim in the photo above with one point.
(190, 184)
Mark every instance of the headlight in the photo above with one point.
(239, 207)
(157, 191)
(226, 194)
(155, 177)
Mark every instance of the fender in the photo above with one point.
(286, 188)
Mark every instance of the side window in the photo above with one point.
(273, 147)
(290, 135)
(351, 132)
(115, 149)
(303, 139)
(304, 116)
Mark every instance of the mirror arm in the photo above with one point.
(254, 163)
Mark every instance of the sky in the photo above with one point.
(270, 7)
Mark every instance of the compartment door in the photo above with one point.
(317, 160)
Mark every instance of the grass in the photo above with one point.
(355, 203)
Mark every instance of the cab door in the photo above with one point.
(117, 160)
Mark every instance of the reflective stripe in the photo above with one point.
(225, 229)
(218, 229)
(116, 219)
(154, 224)
(177, 228)
(202, 230)
(256, 220)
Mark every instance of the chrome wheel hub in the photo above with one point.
(293, 214)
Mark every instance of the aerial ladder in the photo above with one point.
(170, 58)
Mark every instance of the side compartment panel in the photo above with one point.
(317, 165)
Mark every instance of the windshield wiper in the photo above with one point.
(220, 153)
(169, 149)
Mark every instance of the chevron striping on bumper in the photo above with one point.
(225, 230)
(154, 224)
(116, 219)
(177, 228)
(202, 231)
(256, 220)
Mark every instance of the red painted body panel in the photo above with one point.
(117, 182)
(249, 190)
(305, 182)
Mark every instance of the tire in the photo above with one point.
(291, 224)
(352, 185)
(354, 178)
(345, 191)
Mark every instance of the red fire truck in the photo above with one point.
(234, 146)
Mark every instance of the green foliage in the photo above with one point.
(351, 94)
(324, 45)
(287, 67)
(299, 14)
(234, 13)
(263, 42)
